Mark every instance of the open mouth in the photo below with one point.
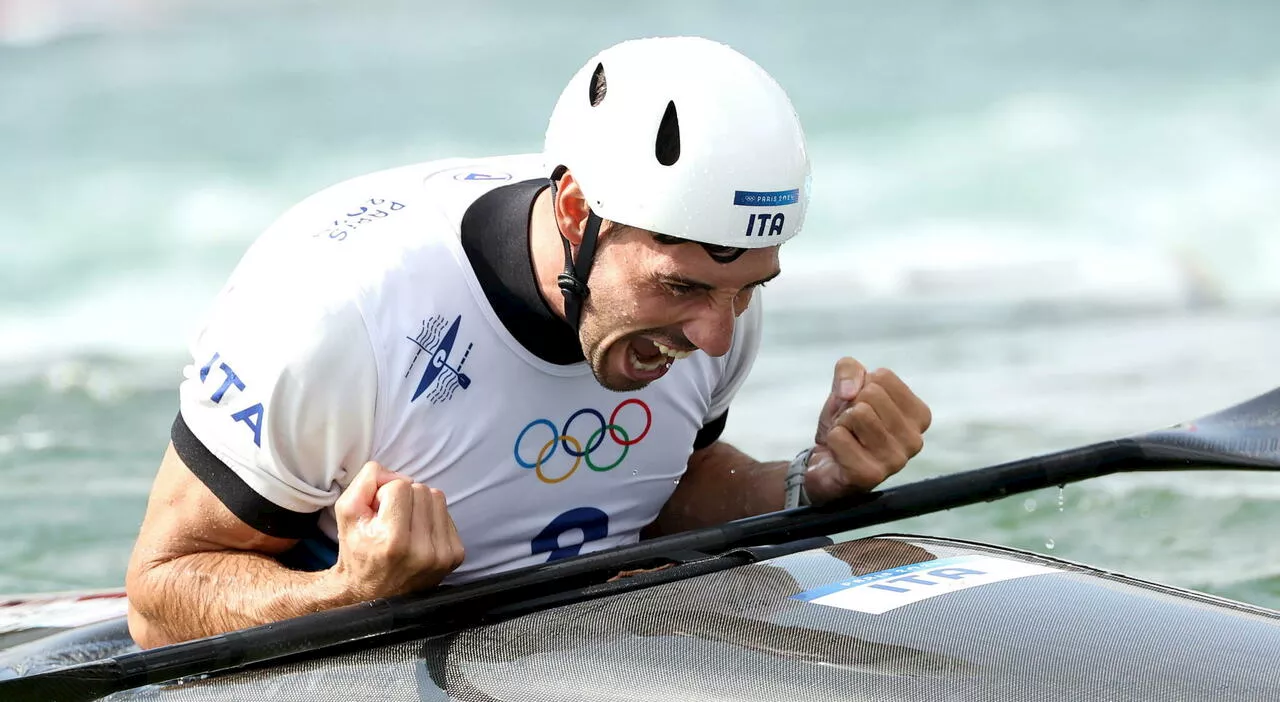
(649, 355)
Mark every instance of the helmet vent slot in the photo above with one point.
(667, 146)
(598, 86)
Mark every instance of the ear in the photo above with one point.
(571, 209)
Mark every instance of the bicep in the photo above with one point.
(714, 461)
(708, 480)
(184, 516)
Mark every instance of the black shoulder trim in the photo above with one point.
(253, 509)
(710, 432)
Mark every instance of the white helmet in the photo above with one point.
(691, 139)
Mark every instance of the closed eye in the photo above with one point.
(679, 289)
(683, 288)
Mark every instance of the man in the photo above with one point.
(556, 356)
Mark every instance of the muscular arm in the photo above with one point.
(720, 485)
(198, 570)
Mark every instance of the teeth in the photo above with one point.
(669, 355)
(677, 355)
(642, 366)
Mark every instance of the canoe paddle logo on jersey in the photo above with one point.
(604, 449)
(444, 362)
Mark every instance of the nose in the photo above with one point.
(712, 329)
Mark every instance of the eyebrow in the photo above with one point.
(681, 280)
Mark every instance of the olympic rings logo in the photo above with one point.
(574, 447)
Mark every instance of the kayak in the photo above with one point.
(26, 618)
(766, 608)
(885, 618)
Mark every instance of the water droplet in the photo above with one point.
(1029, 504)
(1049, 544)
(635, 471)
(732, 471)
(1062, 497)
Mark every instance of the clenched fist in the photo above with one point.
(870, 426)
(394, 536)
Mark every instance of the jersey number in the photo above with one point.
(593, 523)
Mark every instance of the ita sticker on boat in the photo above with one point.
(877, 593)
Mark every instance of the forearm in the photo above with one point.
(202, 594)
(721, 485)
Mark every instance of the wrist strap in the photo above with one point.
(795, 494)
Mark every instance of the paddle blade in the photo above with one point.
(1244, 436)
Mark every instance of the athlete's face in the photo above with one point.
(652, 304)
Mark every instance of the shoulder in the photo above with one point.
(334, 261)
(355, 208)
(350, 236)
(441, 189)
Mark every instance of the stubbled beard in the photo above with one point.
(619, 383)
(596, 351)
(598, 360)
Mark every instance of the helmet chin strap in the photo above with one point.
(573, 281)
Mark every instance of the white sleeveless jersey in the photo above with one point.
(355, 329)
